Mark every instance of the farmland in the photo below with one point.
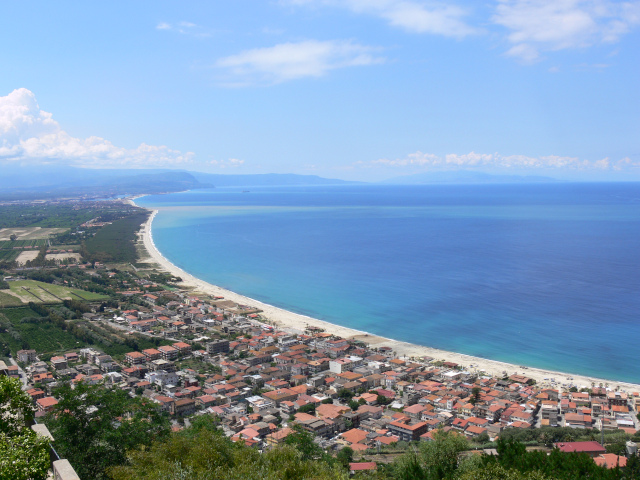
(24, 327)
(40, 292)
(27, 235)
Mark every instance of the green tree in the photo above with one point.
(433, 460)
(475, 395)
(207, 455)
(302, 441)
(94, 427)
(23, 454)
(345, 456)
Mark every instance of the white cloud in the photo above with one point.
(541, 25)
(30, 134)
(184, 28)
(230, 163)
(426, 161)
(290, 61)
(431, 17)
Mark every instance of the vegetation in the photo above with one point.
(52, 216)
(55, 329)
(94, 427)
(512, 456)
(39, 292)
(206, 454)
(115, 242)
(23, 454)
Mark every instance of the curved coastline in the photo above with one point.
(296, 323)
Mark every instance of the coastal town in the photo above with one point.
(225, 360)
(263, 375)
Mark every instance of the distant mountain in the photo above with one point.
(50, 181)
(464, 177)
(45, 181)
(265, 180)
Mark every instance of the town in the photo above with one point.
(225, 360)
(79, 310)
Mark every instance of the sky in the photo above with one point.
(350, 89)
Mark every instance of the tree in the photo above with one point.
(13, 237)
(437, 459)
(345, 456)
(106, 423)
(302, 441)
(208, 455)
(23, 454)
(475, 395)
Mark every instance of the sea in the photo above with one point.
(544, 275)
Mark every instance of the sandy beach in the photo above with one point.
(296, 323)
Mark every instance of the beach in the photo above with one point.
(296, 323)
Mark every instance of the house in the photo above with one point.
(59, 363)
(355, 435)
(593, 449)
(362, 466)
(135, 358)
(408, 432)
(277, 438)
(182, 347)
(218, 346)
(152, 354)
(168, 353)
(46, 404)
(26, 356)
(186, 406)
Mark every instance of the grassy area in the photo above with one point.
(8, 300)
(23, 328)
(40, 292)
(9, 255)
(35, 243)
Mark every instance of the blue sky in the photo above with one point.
(353, 89)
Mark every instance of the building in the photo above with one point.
(218, 346)
(26, 356)
(593, 449)
(406, 431)
(135, 358)
(168, 353)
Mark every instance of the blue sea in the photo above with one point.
(544, 275)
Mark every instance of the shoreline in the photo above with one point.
(296, 323)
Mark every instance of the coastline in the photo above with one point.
(296, 323)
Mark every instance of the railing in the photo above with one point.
(62, 469)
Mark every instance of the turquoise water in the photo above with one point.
(539, 275)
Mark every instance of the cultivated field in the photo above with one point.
(26, 256)
(40, 292)
(29, 233)
(59, 257)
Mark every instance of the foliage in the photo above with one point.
(496, 471)
(308, 408)
(115, 242)
(105, 423)
(303, 442)
(23, 454)
(345, 394)
(208, 455)
(433, 460)
(16, 408)
(475, 395)
(345, 456)
(512, 455)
